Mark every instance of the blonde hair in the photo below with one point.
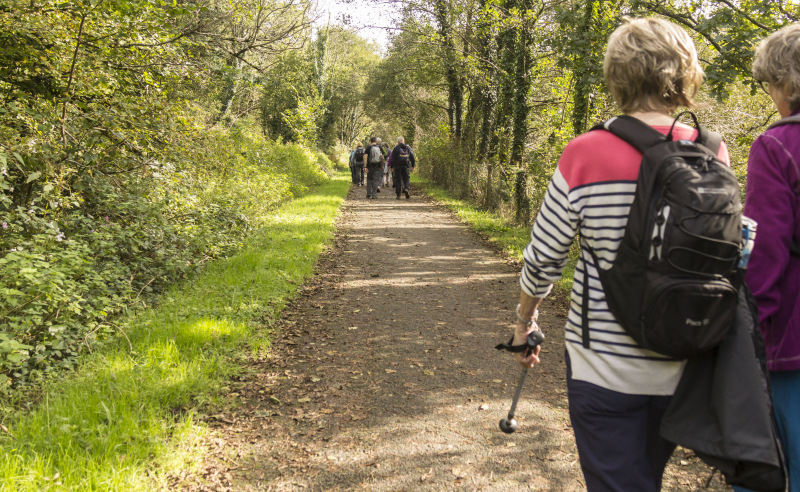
(777, 61)
(651, 65)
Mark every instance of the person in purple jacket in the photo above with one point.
(403, 163)
(773, 201)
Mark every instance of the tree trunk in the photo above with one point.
(229, 93)
(523, 202)
(522, 84)
(455, 94)
(583, 70)
(503, 119)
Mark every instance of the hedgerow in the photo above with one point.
(75, 257)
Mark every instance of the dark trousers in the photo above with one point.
(618, 439)
(402, 179)
(374, 177)
(355, 174)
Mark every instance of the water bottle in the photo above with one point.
(748, 239)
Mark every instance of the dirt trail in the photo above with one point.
(384, 377)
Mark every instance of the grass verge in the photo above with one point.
(509, 239)
(126, 419)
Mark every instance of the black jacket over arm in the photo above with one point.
(722, 409)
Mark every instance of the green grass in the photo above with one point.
(127, 417)
(509, 239)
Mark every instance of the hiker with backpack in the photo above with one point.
(350, 164)
(386, 152)
(383, 147)
(617, 389)
(356, 164)
(403, 163)
(773, 201)
(374, 161)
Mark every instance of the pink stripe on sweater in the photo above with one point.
(599, 156)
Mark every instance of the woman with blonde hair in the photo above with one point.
(618, 391)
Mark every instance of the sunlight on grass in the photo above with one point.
(125, 420)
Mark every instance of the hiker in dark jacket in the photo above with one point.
(773, 201)
(357, 164)
(618, 391)
(374, 161)
(403, 163)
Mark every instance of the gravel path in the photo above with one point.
(383, 375)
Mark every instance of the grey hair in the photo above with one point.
(776, 62)
(378, 139)
(401, 140)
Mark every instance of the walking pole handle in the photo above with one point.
(535, 338)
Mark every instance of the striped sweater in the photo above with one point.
(591, 193)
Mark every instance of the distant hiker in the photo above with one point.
(357, 164)
(386, 174)
(350, 161)
(374, 161)
(381, 145)
(618, 391)
(403, 163)
(385, 152)
(773, 201)
(364, 172)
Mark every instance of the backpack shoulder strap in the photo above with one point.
(637, 133)
(711, 140)
(795, 118)
(642, 136)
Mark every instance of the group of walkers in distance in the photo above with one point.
(376, 166)
(619, 391)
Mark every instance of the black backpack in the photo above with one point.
(403, 155)
(358, 157)
(673, 286)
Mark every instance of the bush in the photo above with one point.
(74, 260)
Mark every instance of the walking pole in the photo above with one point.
(509, 424)
(535, 338)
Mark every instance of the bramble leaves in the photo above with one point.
(114, 181)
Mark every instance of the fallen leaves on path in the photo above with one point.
(382, 374)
